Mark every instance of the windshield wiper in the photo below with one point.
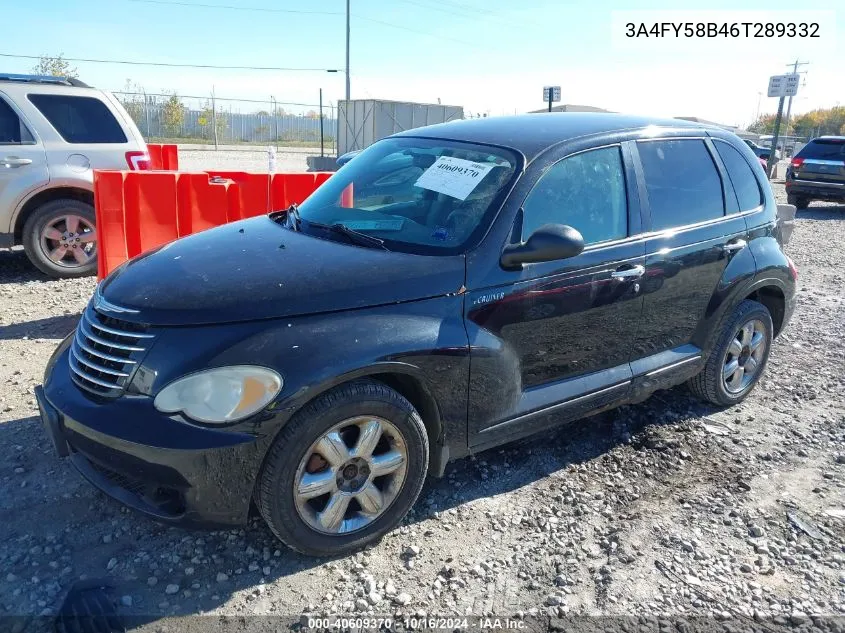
(291, 213)
(356, 237)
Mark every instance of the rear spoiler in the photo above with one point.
(786, 222)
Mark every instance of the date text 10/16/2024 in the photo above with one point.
(412, 623)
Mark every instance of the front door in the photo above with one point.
(23, 163)
(555, 341)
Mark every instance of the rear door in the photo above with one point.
(80, 131)
(23, 163)
(695, 230)
(822, 161)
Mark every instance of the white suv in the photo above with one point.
(53, 133)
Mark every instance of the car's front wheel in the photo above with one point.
(344, 470)
(739, 357)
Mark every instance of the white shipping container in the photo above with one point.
(362, 122)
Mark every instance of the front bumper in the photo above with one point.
(162, 466)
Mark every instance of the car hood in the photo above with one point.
(257, 269)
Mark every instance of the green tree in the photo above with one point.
(820, 121)
(173, 115)
(205, 120)
(764, 125)
(132, 97)
(55, 66)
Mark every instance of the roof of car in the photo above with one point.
(42, 79)
(533, 133)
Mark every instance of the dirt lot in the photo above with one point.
(233, 158)
(669, 507)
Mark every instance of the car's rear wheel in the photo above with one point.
(800, 202)
(60, 238)
(344, 470)
(739, 357)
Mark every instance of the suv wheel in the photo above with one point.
(800, 202)
(344, 470)
(60, 238)
(739, 357)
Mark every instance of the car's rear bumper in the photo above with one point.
(815, 189)
(180, 474)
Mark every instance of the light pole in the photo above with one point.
(347, 50)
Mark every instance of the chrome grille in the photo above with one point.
(105, 352)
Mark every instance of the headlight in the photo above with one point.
(224, 394)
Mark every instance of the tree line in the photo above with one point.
(819, 122)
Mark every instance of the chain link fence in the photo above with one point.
(211, 120)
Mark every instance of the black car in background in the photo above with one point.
(817, 172)
(345, 158)
(451, 289)
(762, 152)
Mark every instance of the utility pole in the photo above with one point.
(795, 66)
(274, 109)
(347, 50)
(214, 116)
(322, 146)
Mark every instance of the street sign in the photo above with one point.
(783, 85)
(555, 93)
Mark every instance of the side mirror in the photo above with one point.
(547, 243)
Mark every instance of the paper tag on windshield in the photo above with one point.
(455, 177)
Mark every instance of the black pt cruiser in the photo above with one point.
(452, 288)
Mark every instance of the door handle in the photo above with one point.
(736, 245)
(14, 161)
(629, 273)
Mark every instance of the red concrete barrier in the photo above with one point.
(139, 210)
(163, 157)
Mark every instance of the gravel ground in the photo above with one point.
(669, 507)
(240, 159)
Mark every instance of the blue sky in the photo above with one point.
(483, 54)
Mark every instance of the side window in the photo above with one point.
(682, 182)
(585, 191)
(742, 178)
(79, 119)
(12, 129)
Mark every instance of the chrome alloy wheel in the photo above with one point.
(744, 356)
(69, 240)
(350, 475)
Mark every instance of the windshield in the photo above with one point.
(426, 196)
(824, 149)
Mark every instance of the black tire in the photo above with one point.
(274, 491)
(709, 385)
(800, 202)
(35, 224)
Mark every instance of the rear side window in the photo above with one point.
(79, 119)
(585, 191)
(682, 182)
(12, 129)
(824, 149)
(745, 184)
